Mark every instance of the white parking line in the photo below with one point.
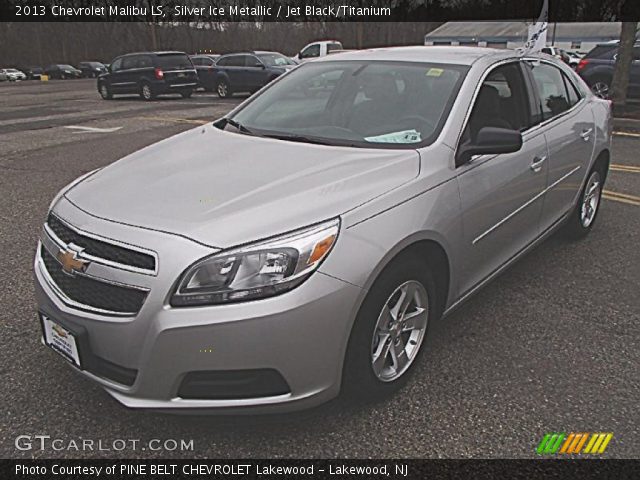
(627, 134)
(92, 129)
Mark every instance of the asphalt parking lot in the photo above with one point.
(553, 345)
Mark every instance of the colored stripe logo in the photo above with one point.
(574, 443)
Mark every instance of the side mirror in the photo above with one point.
(489, 141)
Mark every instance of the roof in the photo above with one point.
(514, 31)
(435, 54)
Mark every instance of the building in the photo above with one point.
(572, 36)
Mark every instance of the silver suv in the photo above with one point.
(304, 244)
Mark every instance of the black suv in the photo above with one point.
(597, 66)
(248, 72)
(149, 74)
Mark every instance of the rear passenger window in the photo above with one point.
(236, 61)
(145, 61)
(551, 88)
(196, 61)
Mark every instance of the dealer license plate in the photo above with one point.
(60, 339)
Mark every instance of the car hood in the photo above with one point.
(222, 189)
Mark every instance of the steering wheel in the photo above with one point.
(419, 119)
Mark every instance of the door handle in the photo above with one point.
(586, 134)
(536, 165)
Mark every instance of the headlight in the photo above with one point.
(258, 270)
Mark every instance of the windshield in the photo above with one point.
(66, 67)
(356, 103)
(174, 60)
(275, 59)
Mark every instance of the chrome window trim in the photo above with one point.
(72, 303)
(524, 205)
(104, 261)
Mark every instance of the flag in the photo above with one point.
(537, 32)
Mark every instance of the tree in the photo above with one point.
(622, 69)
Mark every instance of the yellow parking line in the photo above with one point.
(621, 197)
(624, 168)
(176, 120)
(627, 134)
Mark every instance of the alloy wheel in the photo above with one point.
(399, 331)
(590, 200)
(146, 92)
(223, 89)
(600, 89)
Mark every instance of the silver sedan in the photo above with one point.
(303, 245)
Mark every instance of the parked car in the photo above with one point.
(317, 50)
(597, 67)
(62, 71)
(343, 225)
(558, 53)
(3, 76)
(149, 74)
(92, 69)
(249, 71)
(574, 59)
(13, 74)
(33, 73)
(204, 65)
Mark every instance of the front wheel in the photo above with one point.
(390, 329)
(584, 215)
(105, 93)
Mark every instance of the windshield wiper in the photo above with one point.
(293, 137)
(239, 126)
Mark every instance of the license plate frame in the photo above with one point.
(61, 339)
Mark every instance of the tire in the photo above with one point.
(105, 93)
(186, 93)
(600, 86)
(368, 372)
(146, 92)
(223, 89)
(586, 210)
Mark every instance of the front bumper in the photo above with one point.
(301, 334)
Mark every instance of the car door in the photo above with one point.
(235, 70)
(129, 74)
(501, 195)
(567, 122)
(256, 72)
(116, 76)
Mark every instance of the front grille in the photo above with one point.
(93, 293)
(100, 249)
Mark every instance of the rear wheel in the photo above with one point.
(584, 215)
(105, 93)
(224, 89)
(390, 329)
(146, 92)
(600, 86)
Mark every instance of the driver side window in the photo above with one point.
(311, 51)
(116, 65)
(500, 102)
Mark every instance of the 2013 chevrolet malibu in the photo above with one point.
(304, 243)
